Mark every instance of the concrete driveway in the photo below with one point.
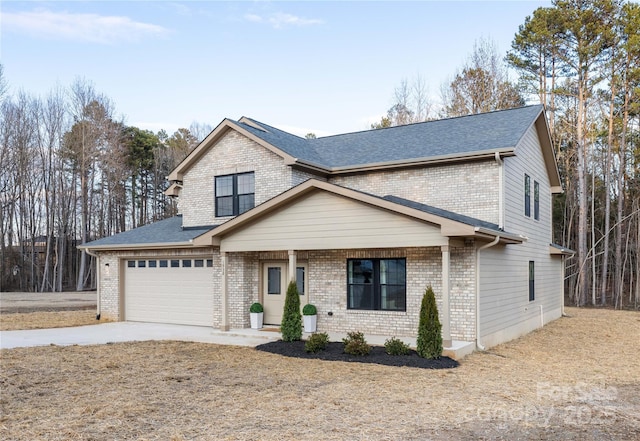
(132, 331)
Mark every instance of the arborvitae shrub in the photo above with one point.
(317, 342)
(429, 328)
(355, 344)
(291, 327)
(395, 346)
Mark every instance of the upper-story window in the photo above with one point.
(234, 194)
(536, 200)
(527, 196)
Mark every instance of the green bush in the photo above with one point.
(317, 342)
(395, 346)
(429, 329)
(355, 344)
(291, 326)
(256, 307)
(309, 309)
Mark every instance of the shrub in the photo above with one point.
(395, 346)
(317, 342)
(291, 326)
(355, 344)
(309, 309)
(256, 307)
(429, 329)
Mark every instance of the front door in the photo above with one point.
(275, 279)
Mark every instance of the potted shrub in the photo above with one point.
(309, 317)
(256, 312)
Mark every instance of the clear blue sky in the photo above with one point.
(325, 67)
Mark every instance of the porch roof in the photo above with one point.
(440, 223)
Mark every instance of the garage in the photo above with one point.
(171, 290)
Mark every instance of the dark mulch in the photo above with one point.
(335, 352)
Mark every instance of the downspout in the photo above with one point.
(500, 190)
(484, 247)
(98, 305)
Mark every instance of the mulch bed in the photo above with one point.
(335, 352)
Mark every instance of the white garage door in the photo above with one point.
(169, 291)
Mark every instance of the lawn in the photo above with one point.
(578, 378)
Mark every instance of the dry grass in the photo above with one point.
(47, 319)
(578, 378)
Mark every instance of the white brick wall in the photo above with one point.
(234, 153)
(327, 282)
(470, 188)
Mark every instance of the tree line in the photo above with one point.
(581, 59)
(72, 172)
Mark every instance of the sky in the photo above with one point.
(307, 66)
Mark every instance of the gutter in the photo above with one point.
(98, 300)
(484, 247)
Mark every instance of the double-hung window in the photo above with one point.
(234, 194)
(377, 284)
(536, 200)
(532, 281)
(527, 196)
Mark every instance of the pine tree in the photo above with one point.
(429, 328)
(291, 327)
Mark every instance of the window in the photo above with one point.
(198, 263)
(273, 280)
(532, 279)
(234, 194)
(300, 280)
(152, 264)
(186, 263)
(536, 200)
(142, 263)
(376, 284)
(131, 263)
(527, 195)
(209, 263)
(163, 263)
(175, 263)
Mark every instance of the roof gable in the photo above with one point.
(448, 140)
(450, 224)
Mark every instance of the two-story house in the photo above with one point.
(363, 222)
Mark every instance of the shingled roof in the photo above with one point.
(493, 131)
(168, 232)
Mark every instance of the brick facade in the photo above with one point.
(471, 188)
(234, 153)
(327, 281)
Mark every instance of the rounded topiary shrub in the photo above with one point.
(291, 326)
(355, 344)
(317, 342)
(309, 309)
(256, 307)
(395, 346)
(429, 329)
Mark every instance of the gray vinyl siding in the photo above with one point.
(325, 221)
(504, 270)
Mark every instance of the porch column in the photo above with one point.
(224, 303)
(446, 327)
(293, 263)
